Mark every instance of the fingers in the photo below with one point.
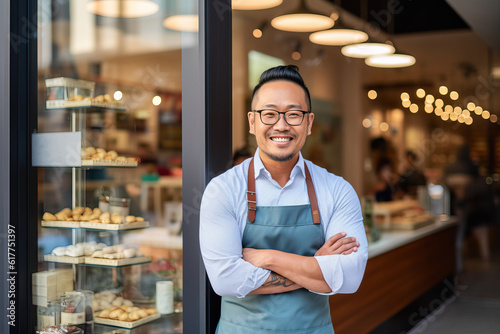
(352, 250)
(335, 238)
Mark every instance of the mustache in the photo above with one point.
(281, 133)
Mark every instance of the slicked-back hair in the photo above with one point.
(286, 73)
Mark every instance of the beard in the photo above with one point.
(278, 158)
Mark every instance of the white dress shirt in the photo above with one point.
(224, 213)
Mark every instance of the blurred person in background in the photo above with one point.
(472, 203)
(411, 178)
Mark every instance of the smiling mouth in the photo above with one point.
(281, 139)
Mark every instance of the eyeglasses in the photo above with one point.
(271, 117)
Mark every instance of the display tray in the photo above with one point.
(117, 263)
(108, 163)
(114, 227)
(95, 226)
(62, 104)
(64, 259)
(411, 225)
(60, 224)
(127, 324)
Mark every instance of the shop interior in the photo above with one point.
(394, 133)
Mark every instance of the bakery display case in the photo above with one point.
(91, 275)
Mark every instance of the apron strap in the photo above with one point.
(312, 196)
(252, 197)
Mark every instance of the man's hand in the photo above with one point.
(337, 244)
(257, 257)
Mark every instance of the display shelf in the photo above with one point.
(64, 259)
(109, 163)
(60, 224)
(95, 226)
(114, 227)
(127, 324)
(116, 263)
(91, 106)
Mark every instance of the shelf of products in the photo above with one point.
(71, 295)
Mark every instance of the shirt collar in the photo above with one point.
(259, 166)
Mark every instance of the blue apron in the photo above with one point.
(289, 229)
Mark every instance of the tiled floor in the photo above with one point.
(476, 308)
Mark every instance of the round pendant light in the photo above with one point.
(363, 50)
(122, 8)
(338, 37)
(254, 4)
(390, 61)
(302, 20)
(182, 23)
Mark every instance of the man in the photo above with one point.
(279, 234)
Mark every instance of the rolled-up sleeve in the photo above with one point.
(344, 273)
(220, 244)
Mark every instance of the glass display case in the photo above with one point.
(107, 150)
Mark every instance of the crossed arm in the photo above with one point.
(290, 271)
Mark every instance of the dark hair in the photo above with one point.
(286, 73)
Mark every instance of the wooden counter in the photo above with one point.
(401, 267)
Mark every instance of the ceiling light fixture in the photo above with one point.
(123, 8)
(390, 61)
(338, 37)
(254, 4)
(363, 50)
(302, 20)
(182, 22)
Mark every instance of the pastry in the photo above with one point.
(59, 251)
(123, 317)
(139, 219)
(116, 218)
(130, 219)
(129, 253)
(61, 216)
(48, 216)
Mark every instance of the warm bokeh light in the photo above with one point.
(457, 110)
(182, 23)
(428, 108)
(454, 95)
(448, 109)
(439, 103)
(485, 114)
(302, 22)
(406, 103)
(156, 100)
(296, 55)
(466, 113)
(493, 118)
(443, 90)
(471, 106)
(445, 117)
(257, 33)
(372, 94)
(118, 95)
(405, 96)
(429, 98)
(420, 93)
(438, 111)
(413, 108)
(384, 126)
(461, 118)
(367, 123)
(478, 110)
(453, 116)
(468, 120)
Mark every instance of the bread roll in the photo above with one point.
(78, 210)
(67, 211)
(104, 314)
(134, 316)
(116, 218)
(117, 302)
(128, 253)
(150, 311)
(61, 216)
(124, 317)
(49, 217)
(142, 313)
(116, 313)
(130, 219)
(139, 219)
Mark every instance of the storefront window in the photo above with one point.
(108, 155)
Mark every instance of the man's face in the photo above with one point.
(280, 142)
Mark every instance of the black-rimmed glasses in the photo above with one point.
(271, 116)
